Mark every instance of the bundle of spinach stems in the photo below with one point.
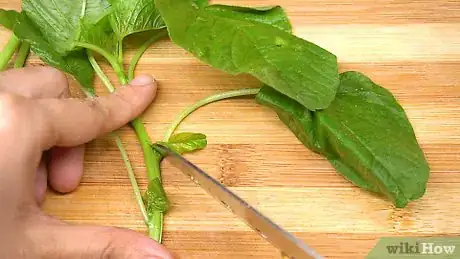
(347, 118)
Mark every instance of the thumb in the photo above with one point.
(56, 239)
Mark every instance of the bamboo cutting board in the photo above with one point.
(410, 47)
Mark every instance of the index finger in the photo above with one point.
(72, 122)
(35, 82)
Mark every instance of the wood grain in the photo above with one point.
(410, 47)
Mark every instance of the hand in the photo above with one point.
(37, 115)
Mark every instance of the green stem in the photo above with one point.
(151, 157)
(8, 51)
(132, 177)
(152, 164)
(132, 66)
(152, 160)
(110, 58)
(156, 229)
(138, 125)
(22, 55)
(203, 102)
(105, 80)
(120, 51)
(124, 154)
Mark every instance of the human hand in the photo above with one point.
(37, 115)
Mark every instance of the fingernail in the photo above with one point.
(142, 80)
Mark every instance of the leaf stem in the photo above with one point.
(110, 58)
(203, 102)
(156, 229)
(151, 158)
(152, 163)
(120, 51)
(105, 80)
(22, 55)
(132, 177)
(8, 51)
(153, 170)
(132, 66)
(138, 125)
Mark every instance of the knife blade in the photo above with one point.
(289, 245)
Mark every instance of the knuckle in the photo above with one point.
(125, 102)
(102, 112)
(125, 98)
(114, 246)
(59, 78)
(56, 74)
(108, 250)
(10, 111)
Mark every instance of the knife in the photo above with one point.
(289, 245)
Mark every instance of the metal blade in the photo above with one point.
(289, 245)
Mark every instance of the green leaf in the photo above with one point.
(53, 28)
(65, 22)
(271, 15)
(228, 40)
(133, 16)
(8, 18)
(155, 198)
(99, 34)
(298, 118)
(364, 133)
(201, 3)
(76, 63)
(92, 11)
(186, 142)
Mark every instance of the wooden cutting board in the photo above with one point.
(410, 47)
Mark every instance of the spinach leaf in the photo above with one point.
(364, 133)
(99, 34)
(63, 22)
(54, 28)
(155, 198)
(186, 142)
(228, 40)
(298, 118)
(132, 16)
(271, 15)
(76, 63)
(8, 18)
(201, 3)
